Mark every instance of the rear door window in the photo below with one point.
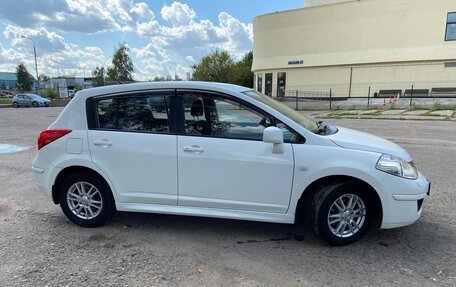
(142, 113)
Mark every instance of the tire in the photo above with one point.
(86, 200)
(35, 104)
(341, 213)
(15, 104)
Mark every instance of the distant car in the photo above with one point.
(222, 151)
(30, 100)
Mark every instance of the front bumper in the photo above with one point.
(403, 200)
(44, 104)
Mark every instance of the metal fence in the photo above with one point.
(386, 99)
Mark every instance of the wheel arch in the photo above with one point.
(72, 170)
(304, 202)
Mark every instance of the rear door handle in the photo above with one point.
(193, 148)
(102, 142)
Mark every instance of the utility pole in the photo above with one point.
(36, 65)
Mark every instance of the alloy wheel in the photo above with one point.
(347, 215)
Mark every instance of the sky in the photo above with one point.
(72, 37)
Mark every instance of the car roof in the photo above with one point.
(222, 87)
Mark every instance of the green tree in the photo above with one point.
(122, 65)
(43, 78)
(49, 93)
(158, 79)
(218, 66)
(98, 76)
(77, 87)
(243, 71)
(24, 79)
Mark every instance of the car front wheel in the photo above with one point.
(341, 213)
(35, 104)
(86, 200)
(15, 104)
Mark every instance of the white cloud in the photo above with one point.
(178, 14)
(170, 47)
(45, 40)
(66, 15)
(151, 28)
(54, 55)
(76, 15)
(239, 35)
(142, 11)
(195, 34)
(94, 50)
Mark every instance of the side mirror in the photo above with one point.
(275, 136)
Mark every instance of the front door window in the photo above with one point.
(222, 118)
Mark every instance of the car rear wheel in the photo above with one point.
(35, 104)
(86, 200)
(341, 213)
(15, 104)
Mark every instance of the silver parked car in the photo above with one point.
(30, 100)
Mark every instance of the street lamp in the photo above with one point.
(34, 52)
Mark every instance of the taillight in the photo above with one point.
(48, 136)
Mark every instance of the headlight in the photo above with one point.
(396, 166)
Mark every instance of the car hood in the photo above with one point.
(353, 139)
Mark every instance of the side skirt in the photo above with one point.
(207, 212)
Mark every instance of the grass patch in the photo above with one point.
(340, 114)
(5, 102)
(435, 107)
(373, 113)
(429, 114)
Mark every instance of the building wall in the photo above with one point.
(381, 43)
(312, 3)
(377, 77)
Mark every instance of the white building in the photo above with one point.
(351, 45)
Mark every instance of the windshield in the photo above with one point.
(300, 119)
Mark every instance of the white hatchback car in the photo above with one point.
(219, 150)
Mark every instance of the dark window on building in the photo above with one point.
(268, 84)
(139, 114)
(260, 83)
(451, 27)
(281, 84)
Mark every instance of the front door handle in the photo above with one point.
(103, 142)
(193, 148)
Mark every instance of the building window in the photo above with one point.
(451, 27)
(281, 84)
(260, 83)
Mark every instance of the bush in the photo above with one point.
(436, 106)
(49, 93)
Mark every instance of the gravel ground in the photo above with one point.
(39, 246)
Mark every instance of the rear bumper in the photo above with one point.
(44, 174)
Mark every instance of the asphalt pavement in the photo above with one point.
(39, 246)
